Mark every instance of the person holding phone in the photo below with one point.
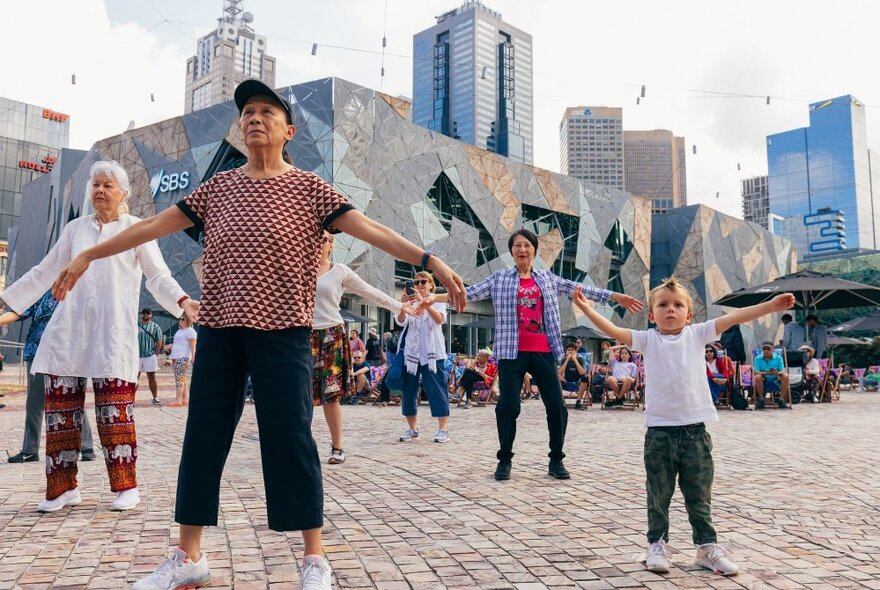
(425, 357)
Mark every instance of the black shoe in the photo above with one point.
(578, 405)
(781, 403)
(558, 470)
(502, 472)
(87, 455)
(24, 458)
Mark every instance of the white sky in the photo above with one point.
(591, 53)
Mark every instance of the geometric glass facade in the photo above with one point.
(472, 81)
(828, 166)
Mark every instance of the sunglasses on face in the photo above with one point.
(420, 282)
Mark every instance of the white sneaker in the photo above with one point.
(176, 573)
(409, 436)
(442, 436)
(316, 573)
(126, 500)
(68, 498)
(337, 456)
(714, 557)
(657, 557)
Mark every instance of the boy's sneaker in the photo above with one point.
(714, 557)
(316, 573)
(657, 557)
(337, 456)
(409, 435)
(178, 571)
(442, 436)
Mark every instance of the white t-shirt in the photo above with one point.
(330, 287)
(676, 389)
(181, 348)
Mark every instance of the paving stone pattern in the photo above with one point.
(796, 500)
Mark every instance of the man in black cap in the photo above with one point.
(149, 345)
(264, 225)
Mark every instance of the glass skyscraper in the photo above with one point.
(825, 167)
(472, 80)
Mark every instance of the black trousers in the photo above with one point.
(280, 365)
(542, 367)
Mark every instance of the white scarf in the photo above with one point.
(423, 334)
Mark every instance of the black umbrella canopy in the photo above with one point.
(353, 318)
(487, 322)
(584, 333)
(812, 290)
(868, 323)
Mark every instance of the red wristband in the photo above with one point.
(181, 300)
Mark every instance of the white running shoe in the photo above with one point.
(316, 573)
(442, 436)
(337, 456)
(409, 436)
(178, 572)
(68, 498)
(714, 557)
(657, 557)
(126, 500)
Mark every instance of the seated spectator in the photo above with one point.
(845, 374)
(812, 373)
(458, 366)
(573, 373)
(769, 376)
(623, 376)
(597, 382)
(480, 373)
(529, 389)
(360, 373)
(717, 373)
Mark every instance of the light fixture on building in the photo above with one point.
(314, 49)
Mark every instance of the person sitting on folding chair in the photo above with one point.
(623, 378)
(769, 376)
(717, 374)
(812, 374)
(573, 373)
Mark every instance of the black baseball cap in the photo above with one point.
(146, 310)
(250, 88)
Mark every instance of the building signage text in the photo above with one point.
(55, 116)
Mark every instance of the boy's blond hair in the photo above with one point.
(672, 284)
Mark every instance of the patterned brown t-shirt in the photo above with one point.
(262, 246)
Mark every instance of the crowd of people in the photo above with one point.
(269, 315)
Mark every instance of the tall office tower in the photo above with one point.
(828, 166)
(472, 80)
(591, 144)
(225, 57)
(654, 167)
(756, 200)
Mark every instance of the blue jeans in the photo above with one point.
(434, 384)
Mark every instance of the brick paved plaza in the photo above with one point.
(796, 499)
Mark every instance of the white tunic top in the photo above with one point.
(93, 332)
(332, 284)
(676, 389)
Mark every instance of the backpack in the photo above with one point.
(737, 399)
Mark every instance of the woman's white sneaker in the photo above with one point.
(178, 571)
(657, 557)
(409, 436)
(316, 573)
(68, 498)
(126, 500)
(714, 557)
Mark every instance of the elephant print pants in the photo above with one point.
(114, 402)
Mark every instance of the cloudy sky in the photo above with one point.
(708, 66)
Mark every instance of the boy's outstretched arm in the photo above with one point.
(753, 312)
(622, 335)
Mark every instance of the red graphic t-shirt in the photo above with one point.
(530, 317)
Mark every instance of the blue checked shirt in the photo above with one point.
(502, 287)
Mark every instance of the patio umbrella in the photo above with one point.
(584, 333)
(812, 291)
(353, 318)
(868, 323)
(487, 322)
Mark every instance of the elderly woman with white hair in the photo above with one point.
(106, 303)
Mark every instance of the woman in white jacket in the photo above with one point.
(104, 307)
(331, 353)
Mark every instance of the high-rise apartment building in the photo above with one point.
(654, 167)
(31, 137)
(472, 80)
(591, 144)
(225, 57)
(756, 200)
(827, 166)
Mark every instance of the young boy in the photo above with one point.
(677, 406)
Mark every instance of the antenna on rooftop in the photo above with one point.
(232, 11)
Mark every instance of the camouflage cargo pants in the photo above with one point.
(686, 452)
